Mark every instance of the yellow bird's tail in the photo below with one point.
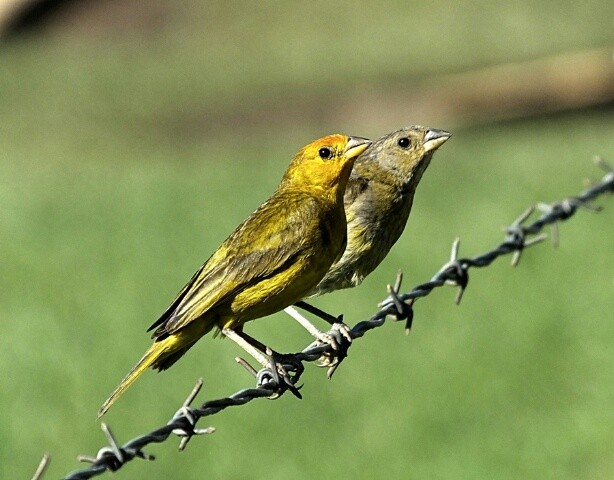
(157, 356)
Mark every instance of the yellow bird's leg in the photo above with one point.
(267, 357)
(255, 352)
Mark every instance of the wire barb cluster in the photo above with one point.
(399, 306)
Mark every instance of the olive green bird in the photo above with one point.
(378, 200)
(272, 260)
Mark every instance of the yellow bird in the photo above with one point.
(270, 261)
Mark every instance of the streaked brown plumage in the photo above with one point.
(378, 200)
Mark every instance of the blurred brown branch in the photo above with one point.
(557, 83)
(501, 92)
(560, 82)
(10, 9)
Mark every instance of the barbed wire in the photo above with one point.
(270, 384)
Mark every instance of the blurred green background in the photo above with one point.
(135, 135)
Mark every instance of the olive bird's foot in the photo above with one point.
(328, 338)
(341, 335)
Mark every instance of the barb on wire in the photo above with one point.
(455, 272)
(42, 466)
(397, 305)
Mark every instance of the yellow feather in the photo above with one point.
(161, 355)
(155, 352)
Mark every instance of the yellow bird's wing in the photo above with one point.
(246, 257)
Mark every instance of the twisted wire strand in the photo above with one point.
(269, 384)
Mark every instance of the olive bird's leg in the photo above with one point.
(339, 337)
(335, 322)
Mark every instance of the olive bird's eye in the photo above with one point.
(324, 152)
(404, 142)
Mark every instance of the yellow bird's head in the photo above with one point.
(325, 163)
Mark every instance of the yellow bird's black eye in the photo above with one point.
(404, 142)
(325, 152)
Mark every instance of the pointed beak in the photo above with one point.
(355, 146)
(434, 139)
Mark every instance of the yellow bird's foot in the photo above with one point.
(288, 368)
(280, 374)
(282, 369)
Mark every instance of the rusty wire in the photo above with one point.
(269, 384)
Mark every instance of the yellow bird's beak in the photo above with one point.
(434, 139)
(355, 146)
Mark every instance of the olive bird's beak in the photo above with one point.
(434, 139)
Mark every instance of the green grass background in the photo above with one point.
(117, 181)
